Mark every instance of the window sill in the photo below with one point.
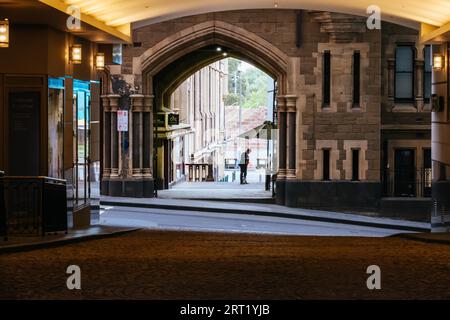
(404, 108)
(327, 109)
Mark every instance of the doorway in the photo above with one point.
(24, 133)
(405, 173)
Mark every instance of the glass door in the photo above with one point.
(81, 107)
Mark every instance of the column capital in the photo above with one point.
(420, 63)
(105, 102)
(148, 103)
(114, 102)
(137, 102)
(281, 103)
(291, 103)
(391, 63)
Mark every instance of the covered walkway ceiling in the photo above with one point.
(119, 14)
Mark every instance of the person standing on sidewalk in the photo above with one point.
(245, 159)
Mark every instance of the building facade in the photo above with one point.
(353, 104)
(50, 89)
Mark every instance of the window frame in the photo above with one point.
(355, 171)
(356, 103)
(425, 99)
(326, 169)
(326, 79)
(414, 54)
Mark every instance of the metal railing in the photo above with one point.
(199, 172)
(407, 183)
(33, 206)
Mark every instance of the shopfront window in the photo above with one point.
(55, 128)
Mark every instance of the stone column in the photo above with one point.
(282, 150)
(114, 104)
(282, 141)
(137, 107)
(146, 156)
(106, 149)
(291, 108)
(391, 82)
(106, 137)
(419, 84)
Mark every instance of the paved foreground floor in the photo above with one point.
(183, 265)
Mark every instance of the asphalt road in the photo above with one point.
(218, 222)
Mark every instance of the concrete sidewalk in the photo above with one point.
(17, 244)
(266, 210)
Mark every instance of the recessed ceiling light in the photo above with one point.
(219, 49)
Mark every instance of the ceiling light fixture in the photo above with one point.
(75, 54)
(4, 33)
(100, 61)
(438, 62)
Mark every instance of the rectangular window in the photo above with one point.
(355, 164)
(326, 164)
(356, 78)
(427, 74)
(326, 79)
(404, 74)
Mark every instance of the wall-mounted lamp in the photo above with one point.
(4, 33)
(100, 61)
(75, 54)
(438, 61)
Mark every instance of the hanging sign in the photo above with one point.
(174, 119)
(122, 120)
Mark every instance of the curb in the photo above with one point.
(420, 239)
(56, 243)
(267, 214)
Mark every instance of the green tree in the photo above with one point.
(252, 81)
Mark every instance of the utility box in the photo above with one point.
(33, 206)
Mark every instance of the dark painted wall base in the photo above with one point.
(440, 215)
(333, 194)
(349, 196)
(128, 188)
(280, 198)
(414, 209)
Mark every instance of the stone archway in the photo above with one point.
(251, 48)
(135, 178)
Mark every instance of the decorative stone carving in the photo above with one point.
(342, 28)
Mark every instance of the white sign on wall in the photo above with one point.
(122, 120)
